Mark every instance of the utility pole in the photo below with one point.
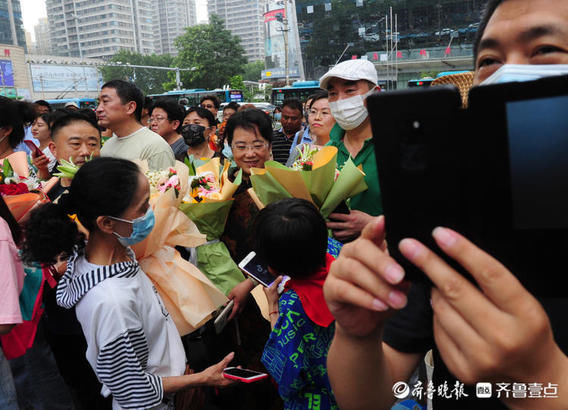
(285, 29)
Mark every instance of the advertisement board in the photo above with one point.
(59, 78)
(6, 73)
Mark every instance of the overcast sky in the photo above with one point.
(33, 10)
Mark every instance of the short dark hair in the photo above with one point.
(231, 106)
(71, 117)
(44, 103)
(16, 115)
(213, 98)
(49, 231)
(294, 104)
(148, 102)
(291, 237)
(318, 95)
(203, 113)
(248, 119)
(174, 111)
(488, 12)
(127, 92)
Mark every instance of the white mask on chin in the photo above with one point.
(350, 112)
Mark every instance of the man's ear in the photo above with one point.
(53, 148)
(130, 107)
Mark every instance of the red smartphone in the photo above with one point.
(33, 147)
(243, 375)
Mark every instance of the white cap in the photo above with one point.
(352, 70)
(71, 104)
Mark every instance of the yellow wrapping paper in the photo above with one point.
(188, 294)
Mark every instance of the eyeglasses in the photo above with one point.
(256, 147)
(157, 119)
(315, 112)
(207, 106)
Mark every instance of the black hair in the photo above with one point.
(127, 92)
(16, 115)
(47, 118)
(69, 118)
(174, 111)
(247, 119)
(277, 108)
(213, 98)
(488, 12)
(231, 106)
(203, 113)
(44, 103)
(11, 221)
(318, 95)
(148, 102)
(294, 104)
(90, 114)
(50, 231)
(291, 237)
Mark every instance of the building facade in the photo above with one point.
(336, 30)
(243, 18)
(171, 17)
(100, 28)
(11, 23)
(42, 44)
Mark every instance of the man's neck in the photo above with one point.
(355, 138)
(173, 137)
(290, 136)
(125, 128)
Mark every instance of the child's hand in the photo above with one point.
(272, 294)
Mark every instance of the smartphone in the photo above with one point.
(257, 269)
(34, 148)
(243, 375)
(223, 318)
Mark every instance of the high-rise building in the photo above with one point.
(100, 28)
(42, 43)
(243, 18)
(11, 23)
(171, 17)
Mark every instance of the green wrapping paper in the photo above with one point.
(349, 183)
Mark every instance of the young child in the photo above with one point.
(291, 238)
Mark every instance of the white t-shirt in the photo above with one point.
(143, 144)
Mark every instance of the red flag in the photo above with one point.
(6, 52)
(448, 50)
(375, 56)
(422, 52)
(354, 57)
(399, 54)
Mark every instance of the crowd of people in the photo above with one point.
(84, 327)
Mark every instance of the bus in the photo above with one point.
(81, 102)
(193, 96)
(422, 82)
(300, 90)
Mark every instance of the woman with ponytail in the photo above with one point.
(14, 116)
(132, 343)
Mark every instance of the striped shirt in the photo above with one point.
(281, 147)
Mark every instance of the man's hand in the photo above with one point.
(364, 283)
(240, 295)
(348, 226)
(497, 332)
(41, 162)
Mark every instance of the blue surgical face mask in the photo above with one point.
(278, 116)
(227, 151)
(524, 72)
(141, 228)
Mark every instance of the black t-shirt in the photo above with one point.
(410, 330)
(281, 147)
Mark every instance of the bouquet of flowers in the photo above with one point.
(208, 204)
(188, 294)
(313, 176)
(21, 194)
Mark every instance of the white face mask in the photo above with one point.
(350, 112)
(524, 72)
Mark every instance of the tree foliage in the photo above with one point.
(150, 81)
(216, 54)
(253, 71)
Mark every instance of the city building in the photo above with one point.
(420, 37)
(243, 18)
(171, 17)
(100, 28)
(42, 43)
(11, 23)
(14, 76)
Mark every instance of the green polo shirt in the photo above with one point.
(368, 201)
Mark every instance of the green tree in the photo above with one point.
(253, 71)
(150, 81)
(215, 53)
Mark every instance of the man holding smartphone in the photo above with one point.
(497, 333)
(349, 84)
